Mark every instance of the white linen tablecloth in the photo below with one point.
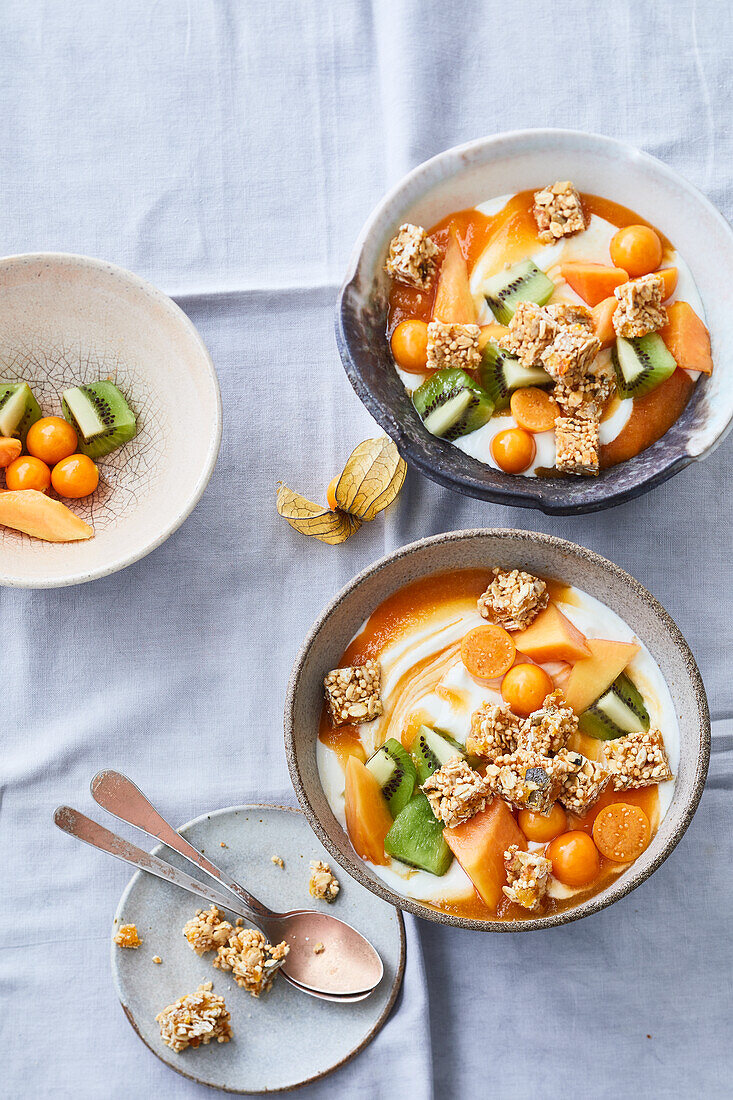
(230, 152)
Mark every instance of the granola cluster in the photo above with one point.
(576, 444)
(127, 936)
(495, 731)
(639, 308)
(412, 256)
(453, 345)
(513, 599)
(455, 792)
(531, 331)
(323, 884)
(528, 876)
(558, 211)
(547, 730)
(528, 780)
(571, 353)
(637, 760)
(207, 931)
(570, 313)
(354, 694)
(587, 395)
(584, 785)
(195, 1019)
(250, 958)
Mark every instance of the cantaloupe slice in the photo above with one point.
(9, 450)
(368, 819)
(552, 637)
(687, 338)
(590, 747)
(491, 331)
(593, 282)
(479, 845)
(603, 321)
(35, 514)
(669, 275)
(591, 677)
(454, 302)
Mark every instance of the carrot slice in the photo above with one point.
(621, 832)
(534, 409)
(488, 651)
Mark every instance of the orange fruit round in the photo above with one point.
(637, 249)
(28, 472)
(534, 410)
(621, 832)
(575, 859)
(525, 688)
(513, 450)
(51, 439)
(541, 829)
(331, 493)
(75, 477)
(410, 345)
(488, 651)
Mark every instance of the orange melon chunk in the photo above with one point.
(593, 282)
(9, 450)
(687, 338)
(368, 819)
(603, 321)
(35, 514)
(552, 637)
(479, 845)
(491, 331)
(592, 676)
(454, 302)
(669, 275)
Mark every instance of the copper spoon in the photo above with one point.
(348, 966)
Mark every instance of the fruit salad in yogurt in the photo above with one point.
(496, 744)
(545, 333)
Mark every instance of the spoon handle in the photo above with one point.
(83, 828)
(118, 795)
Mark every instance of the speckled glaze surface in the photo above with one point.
(285, 1038)
(506, 163)
(66, 320)
(565, 561)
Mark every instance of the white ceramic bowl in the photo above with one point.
(504, 164)
(66, 320)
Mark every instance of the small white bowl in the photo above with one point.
(66, 320)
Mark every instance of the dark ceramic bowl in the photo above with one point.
(538, 553)
(471, 174)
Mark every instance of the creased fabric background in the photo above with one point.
(230, 152)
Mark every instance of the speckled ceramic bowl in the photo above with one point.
(66, 320)
(507, 163)
(537, 553)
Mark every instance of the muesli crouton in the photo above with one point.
(455, 792)
(584, 785)
(251, 959)
(637, 760)
(127, 936)
(453, 345)
(195, 1019)
(640, 308)
(547, 730)
(570, 313)
(354, 694)
(413, 256)
(577, 445)
(571, 353)
(207, 931)
(495, 731)
(531, 330)
(558, 211)
(323, 884)
(587, 395)
(513, 599)
(528, 780)
(528, 875)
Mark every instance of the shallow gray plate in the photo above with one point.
(285, 1038)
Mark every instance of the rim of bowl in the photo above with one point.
(468, 486)
(158, 296)
(618, 889)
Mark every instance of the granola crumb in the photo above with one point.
(354, 694)
(639, 308)
(194, 1020)
(453, 345)
(412, 256)
(239, 922)
(249, 957)
(455, 792)
(157, 960)
(278, 861)
(513, 599)
(528, 876)
(318, 949)
(558, 211)
(322, 885)
(207, 931)
(222, 844)
(127, 936)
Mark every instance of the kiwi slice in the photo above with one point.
(394, 770)
(620, 710)
(522, 282)
(18, 409)
(416, 838)
(451, 403)
(101, 416)
(641, 364)
(430, 750)
(500, 374)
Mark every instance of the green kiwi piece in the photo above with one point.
(641, 364)
(522, 282)
(620, 710)
(416, 838)
(450, 404)
(18, 410)
(394, 770)
(101, 417)
(430, 750)
(501, 374)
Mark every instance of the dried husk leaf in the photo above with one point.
(371, 479)
(315, 520)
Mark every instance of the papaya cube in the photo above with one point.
(592, 676)
(479, 845)
(552, 637)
